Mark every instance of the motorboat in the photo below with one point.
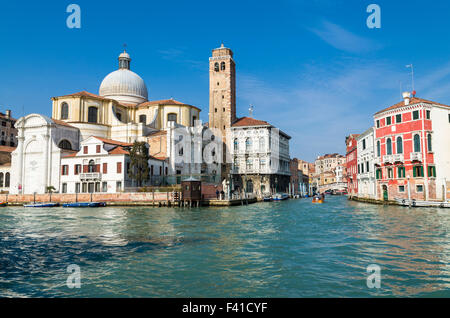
(84, 205)
(280, 197)
(42, 205)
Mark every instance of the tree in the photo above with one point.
(50, 189)
(139, 170)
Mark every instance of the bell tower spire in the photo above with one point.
(124, 59)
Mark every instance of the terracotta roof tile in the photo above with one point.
(7, 149)
(114, 142)
(85, 94)
(412, 101)
(62, 123)
(118, 151)
(247, 121)
(162, 102)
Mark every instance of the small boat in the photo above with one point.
(267, 198)
(84, 205)
(41, 205)
(280, 197)
(318, 200)
(3, 204)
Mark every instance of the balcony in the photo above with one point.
(90, 176)
(377, 161)
(388, 159)
(416, 156)
(399, 158)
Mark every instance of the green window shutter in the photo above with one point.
(421, 171)
(414, 172)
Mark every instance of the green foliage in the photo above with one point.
(139, 170)
(50, 189)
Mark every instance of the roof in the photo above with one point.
(114, 142)
(158, 158)
(170, 101)
(7, 149)
(2, 115)
(118, 151)
(62, 123)
(412, 101)
(83, 94)
(157, 133)
(248, 121)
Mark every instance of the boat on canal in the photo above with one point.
(419, 203)
(280, 197)
(84, 205)
(3, 204)
(267, 198)
(42, 205)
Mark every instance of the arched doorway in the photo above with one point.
(385, 193)
(249, 188)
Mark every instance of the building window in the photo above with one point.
(367, 166)
(236, 144)
(222, 66)
(379, 174)
(249, 164)
(105, 186)
(262, 144)
(92, 114)
(64, 111)
(248, 144)
(77, 187)
(151, 170)
(84, 187)
(419, 188)
(119, 116)
(216, 67)
(1, 179)
(378, 148)
(430, 148)
(77, 169)
(7, 177)
(378, 123)
(416, 143)
(401, 172)
(105, 167)
(143, 119)
(398, 118)
(97, 149)
(119, 167)
(118, 186)
(418, 171)
(428, 114)
(97, 187)
(194, 118)
(401, 188)
(65, 144)
(364, 144)
(389, 146)
(167, 171)
(390, 173)
(91, 167)
(85, 150)
(65, 170)
(172, 117)
(64, 188)
(432, 171)
(388, 120)
(399, 145)
(416, 115)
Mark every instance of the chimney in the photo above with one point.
(8, 113)
(406, 97)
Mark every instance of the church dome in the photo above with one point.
(124, 85)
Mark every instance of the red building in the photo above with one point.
(352, 164)
(412, 154)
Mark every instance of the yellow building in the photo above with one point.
(122, 110)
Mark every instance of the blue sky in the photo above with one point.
(312, 68)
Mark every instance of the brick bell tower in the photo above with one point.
(222, 89)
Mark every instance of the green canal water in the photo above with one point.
(281, 249)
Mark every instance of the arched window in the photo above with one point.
(1, 179)
(143, 119)
(65, 144)
(416, 143)
(262, 143)
(248, 144)
(194, 118)
(92, 114)
(91, 167)
(172, 117)
(119, 116)
(216, 67)
(236, 144)
(389, 146)
(7, 180)
(430, 147)
(64, 111)
(249, 186)
(180, 152)
(378, 148)
(399, 145)
(222, 66)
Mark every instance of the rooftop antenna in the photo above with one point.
(250, 110)
(412, 76)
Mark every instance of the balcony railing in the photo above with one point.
(416, 156)
(90, 176)
(399, 158)
(377, 161)
(388, 159)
